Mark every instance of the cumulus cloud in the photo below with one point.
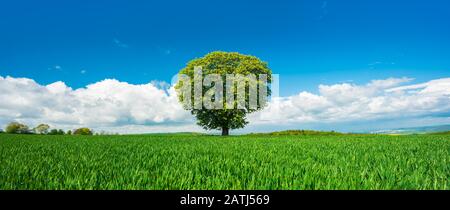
(379, 99)
(105, 103)
(117, 106)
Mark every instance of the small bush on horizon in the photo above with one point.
(441, 133)
(299, 132)
(83, 131)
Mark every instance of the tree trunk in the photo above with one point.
(225, 131)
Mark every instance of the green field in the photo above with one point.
(235, 162)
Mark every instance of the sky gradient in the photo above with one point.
(308, 43)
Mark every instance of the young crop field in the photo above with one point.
(235, 162)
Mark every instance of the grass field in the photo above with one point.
(214, 162)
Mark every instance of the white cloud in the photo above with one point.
(56, 67)
(112, 105)
(105, 103)
(380, 99)
(324, 10)
(119, 43)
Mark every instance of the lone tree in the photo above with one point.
(240, 93)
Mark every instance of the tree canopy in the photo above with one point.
(83, 131)
(225, 64)
(41, 129)
(17, 128)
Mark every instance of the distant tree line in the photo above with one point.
(300, 132)
(43, 129)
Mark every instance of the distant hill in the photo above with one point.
(442, 133)
(416, 130)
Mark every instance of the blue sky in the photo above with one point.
(309, 43)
